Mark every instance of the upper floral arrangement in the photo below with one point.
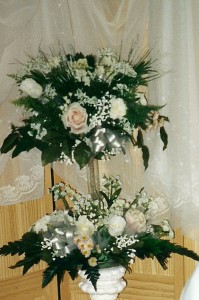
(84, 106)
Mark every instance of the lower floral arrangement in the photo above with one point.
(93, 234)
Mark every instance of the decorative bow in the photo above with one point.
(106, 139)
(61, 236)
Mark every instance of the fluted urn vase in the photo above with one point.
(109, 285)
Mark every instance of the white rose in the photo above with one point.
(116, 225)
(118, 108)
(41, 225)
(84, 226)
(76, 118)
(135, 221)
(31, 87)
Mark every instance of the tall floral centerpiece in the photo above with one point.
(81, 109)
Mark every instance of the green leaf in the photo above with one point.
(49, 274)
(144, 148)
(66, 147)
(12, 248)
(82, 154)
(150, 247)
(27, 263)
(164, 137)
(25, 144)
(116, 194)
(10, 141)
(145, 156)
(112, 198)
(32, 241)
(27, 102)
(50, 154)
(92, 274)
(38, 76)
(140, 139)
(105, 196)
(102, 238)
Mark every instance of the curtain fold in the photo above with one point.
(175, 174)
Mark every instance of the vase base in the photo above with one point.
(103, 297)
(109, 285)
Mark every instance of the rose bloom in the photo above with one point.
(31, 87)
(116, 225)
(84, 226)
(118, 108)
(75, 118)
(135, 221)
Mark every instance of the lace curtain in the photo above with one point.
(173, 29)
(170, 29)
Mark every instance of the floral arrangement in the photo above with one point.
(81, 107)
(90, 234)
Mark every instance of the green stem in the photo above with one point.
(66, 206)
(93, 180)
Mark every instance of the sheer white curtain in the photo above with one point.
(170, 27)
(173, 32)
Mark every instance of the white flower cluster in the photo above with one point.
(59, 216)
(124, 241)
(84, 244)
(42, 224)
(151, 206)
(125, 68)
(60, 190)
(65, 159)
(102, 113)
(50, 91)
(40, 131)
(109, 66)
(40, 63)
(47, 244)
(110, 182)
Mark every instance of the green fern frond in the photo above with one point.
(149, 247)
(13, 248)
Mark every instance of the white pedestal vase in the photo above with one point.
(109, 285)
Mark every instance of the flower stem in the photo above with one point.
(93, 181)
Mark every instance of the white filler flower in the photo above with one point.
(42, 224)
